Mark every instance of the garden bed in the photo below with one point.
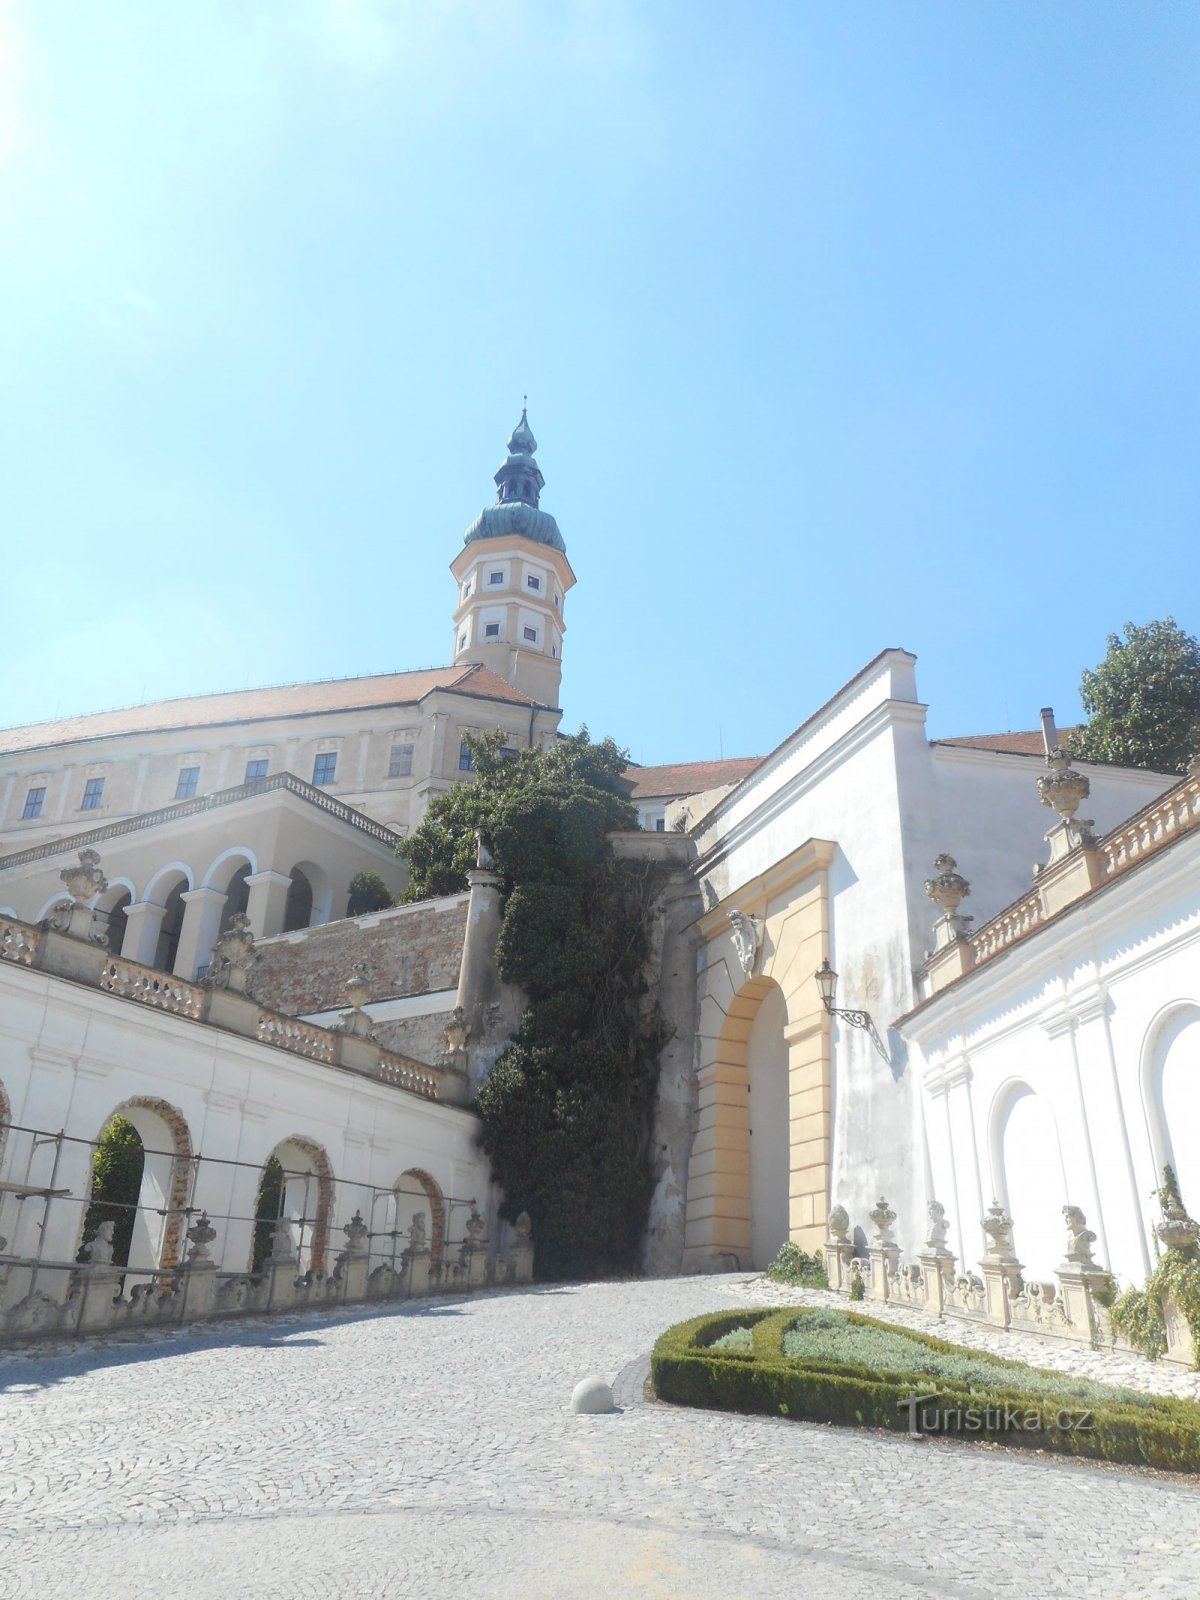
(836, 1366)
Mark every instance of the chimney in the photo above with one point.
(1049, 731)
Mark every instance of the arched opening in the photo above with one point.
(1029, 1177)
(110, 915)
(298, 910)
(770, 1153)
(140, 1181)
(1175, 1101)
(237, 896)
(296, 1187)
(310, 897)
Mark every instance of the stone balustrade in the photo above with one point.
(70, 956)
(1074, 1306)
(198, 1290)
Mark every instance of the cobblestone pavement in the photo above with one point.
(429, 1451)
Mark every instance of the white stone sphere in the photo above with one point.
(592, 1397)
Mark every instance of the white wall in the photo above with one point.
(1066, 1070)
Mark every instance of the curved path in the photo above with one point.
(429, 1451)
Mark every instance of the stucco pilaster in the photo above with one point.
(267, 902)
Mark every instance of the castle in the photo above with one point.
(833, 1036)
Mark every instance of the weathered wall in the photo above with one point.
(409, 950)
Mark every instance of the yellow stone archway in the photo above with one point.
(773, 930)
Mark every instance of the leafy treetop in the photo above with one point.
(1143, 700)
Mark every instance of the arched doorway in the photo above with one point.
(296, 1187)
(237, 896)
(769, 1127)
(297, 913)
(111, 918)
(1175, 1104)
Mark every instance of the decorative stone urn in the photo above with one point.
(1062, 788)
(1177, 1230)
(883, 1217)
(947, 891)
(839, 1225)
(358, 992)
(998, 1226)
(200, 1235)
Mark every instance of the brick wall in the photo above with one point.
(410, 950)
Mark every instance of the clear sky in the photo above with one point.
(843, 326)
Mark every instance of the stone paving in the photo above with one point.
(428, 1451)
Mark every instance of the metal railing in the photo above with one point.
(288, 781)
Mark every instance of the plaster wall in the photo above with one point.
(1084, 1017)
(71, 1055)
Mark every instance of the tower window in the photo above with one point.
(185, 784)
(462, 641)
(533, 583)
(495, 577)
(325, 767)
(491, 630)
(466, 761)
(531, 635)
(35, 799)
(556, 602)
(553, 650)
(93, 795)
(401, 763)
(255, 770)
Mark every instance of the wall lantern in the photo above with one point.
(827, 981)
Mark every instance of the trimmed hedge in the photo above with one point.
(1127, 1427)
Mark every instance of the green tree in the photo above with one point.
(1143, 700)
(268, 1208)
(368, 892)
(566, 1110)
(117, 1165)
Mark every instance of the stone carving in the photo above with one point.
(939, 1228)
(356, 1234)
(417, 1239)
(475, 1227)
(1061, 787)
(200, 1235)
(1080, 1238)
(746, 937)
(523, 1226)
(839, 1225)
(75, 916)
(456, 1033)
(947, 891)
(99, 1252)
(483, 856)
(85, 880)
(358, 993)
(283, 1246)
(883, 1217)
(998, 1226)
(233, 957)
(1177, 1230)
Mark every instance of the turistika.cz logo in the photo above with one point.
(926, 1415)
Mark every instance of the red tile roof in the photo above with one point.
(259, 705)
(1009, 744)
(687, 777)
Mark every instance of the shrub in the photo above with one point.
(117, 1166)
(699, 1363)
(793, 1265)
(368, 892)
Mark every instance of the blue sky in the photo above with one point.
(843, 326)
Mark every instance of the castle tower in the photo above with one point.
(513, 576)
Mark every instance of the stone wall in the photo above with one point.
(408, 950)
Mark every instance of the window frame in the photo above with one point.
(35, 800)
(187, 782)
(321, 758)
(396, 767)
(93, 794)
(257, 777)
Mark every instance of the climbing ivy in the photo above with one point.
(1137, 1315)
(566, 1110)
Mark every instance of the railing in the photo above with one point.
(210, 802)
(302, 1038)
(1152, 828)
(1012, 924)
(18, 942)
(152, 988)
(410, 1075)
